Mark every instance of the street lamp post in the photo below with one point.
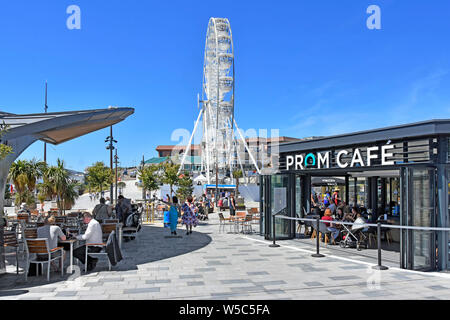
(142, 168)
(116, 161)
(111, 147)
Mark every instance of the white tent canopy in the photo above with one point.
(200, 178)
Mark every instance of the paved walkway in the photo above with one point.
(209, 264)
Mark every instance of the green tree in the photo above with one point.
(150, 178)
(24, 174)
(170, 174)
(99, 176)
(185, 187)
(237, 174)
(57, 183)
(5, 150)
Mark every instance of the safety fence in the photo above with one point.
(360, 225)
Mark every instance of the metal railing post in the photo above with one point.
(379, 266)
(317, 254)
(273, 245)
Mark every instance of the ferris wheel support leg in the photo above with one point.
(242, 167)
(208, 161)
(190, 141)
(246, 147)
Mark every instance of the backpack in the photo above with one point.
(326, 199)
(133, 220)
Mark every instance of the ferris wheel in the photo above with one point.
(218, 145)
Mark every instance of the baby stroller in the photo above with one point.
(354, 237)
(201, 213)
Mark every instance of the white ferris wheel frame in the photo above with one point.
(210, 158)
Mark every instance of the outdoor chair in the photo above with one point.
(30, 233)
(10, 241)
(60, 221)
(40, 246)
(224, 221)
(246, 223)
(310, 224)
(107, 229)
(111, 221)
(299, 224)
(72, 225)
(237, 219)
(73, 214)
(323, 230)
(23, 217)
(132, 232)
(101, 253)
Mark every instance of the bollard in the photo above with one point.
(273, 245)
(379, 266)
(317, 254)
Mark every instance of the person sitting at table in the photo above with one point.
(350, 217)
(102, 211)
(339, 213)
(330, 226)
(93, 234)
(51, 232)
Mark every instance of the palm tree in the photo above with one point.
(18, 175)
(34, 170)
(24, 174)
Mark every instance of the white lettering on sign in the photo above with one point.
(289, 162)
(323, 159)
(338, 159)
(384, 155)
(357, 158)
(298, 162)
(371, 156)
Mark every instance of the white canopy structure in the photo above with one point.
(200, 178)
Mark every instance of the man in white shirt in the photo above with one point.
(92, 235)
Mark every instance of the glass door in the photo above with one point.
(418, 198)
(279, 193)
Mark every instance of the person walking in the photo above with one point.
(102, 211)
(189, 218)
(232, 205)
(173, 214)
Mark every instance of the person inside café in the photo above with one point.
(330, 226)
(351, 216)
(339, 213)
(102, 211)
(92, 235)
(53, 233)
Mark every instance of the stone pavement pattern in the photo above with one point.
(209, 264)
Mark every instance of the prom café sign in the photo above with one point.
(359, 157)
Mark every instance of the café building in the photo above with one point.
(400, 172)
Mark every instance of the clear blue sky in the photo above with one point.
(306, 67)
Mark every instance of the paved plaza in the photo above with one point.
(214, 264)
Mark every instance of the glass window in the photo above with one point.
(361, 192)
(352, 192)
(298, 196)
(279, 192)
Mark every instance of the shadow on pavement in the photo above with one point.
(151, 246)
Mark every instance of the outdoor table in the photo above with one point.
(71, 242)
